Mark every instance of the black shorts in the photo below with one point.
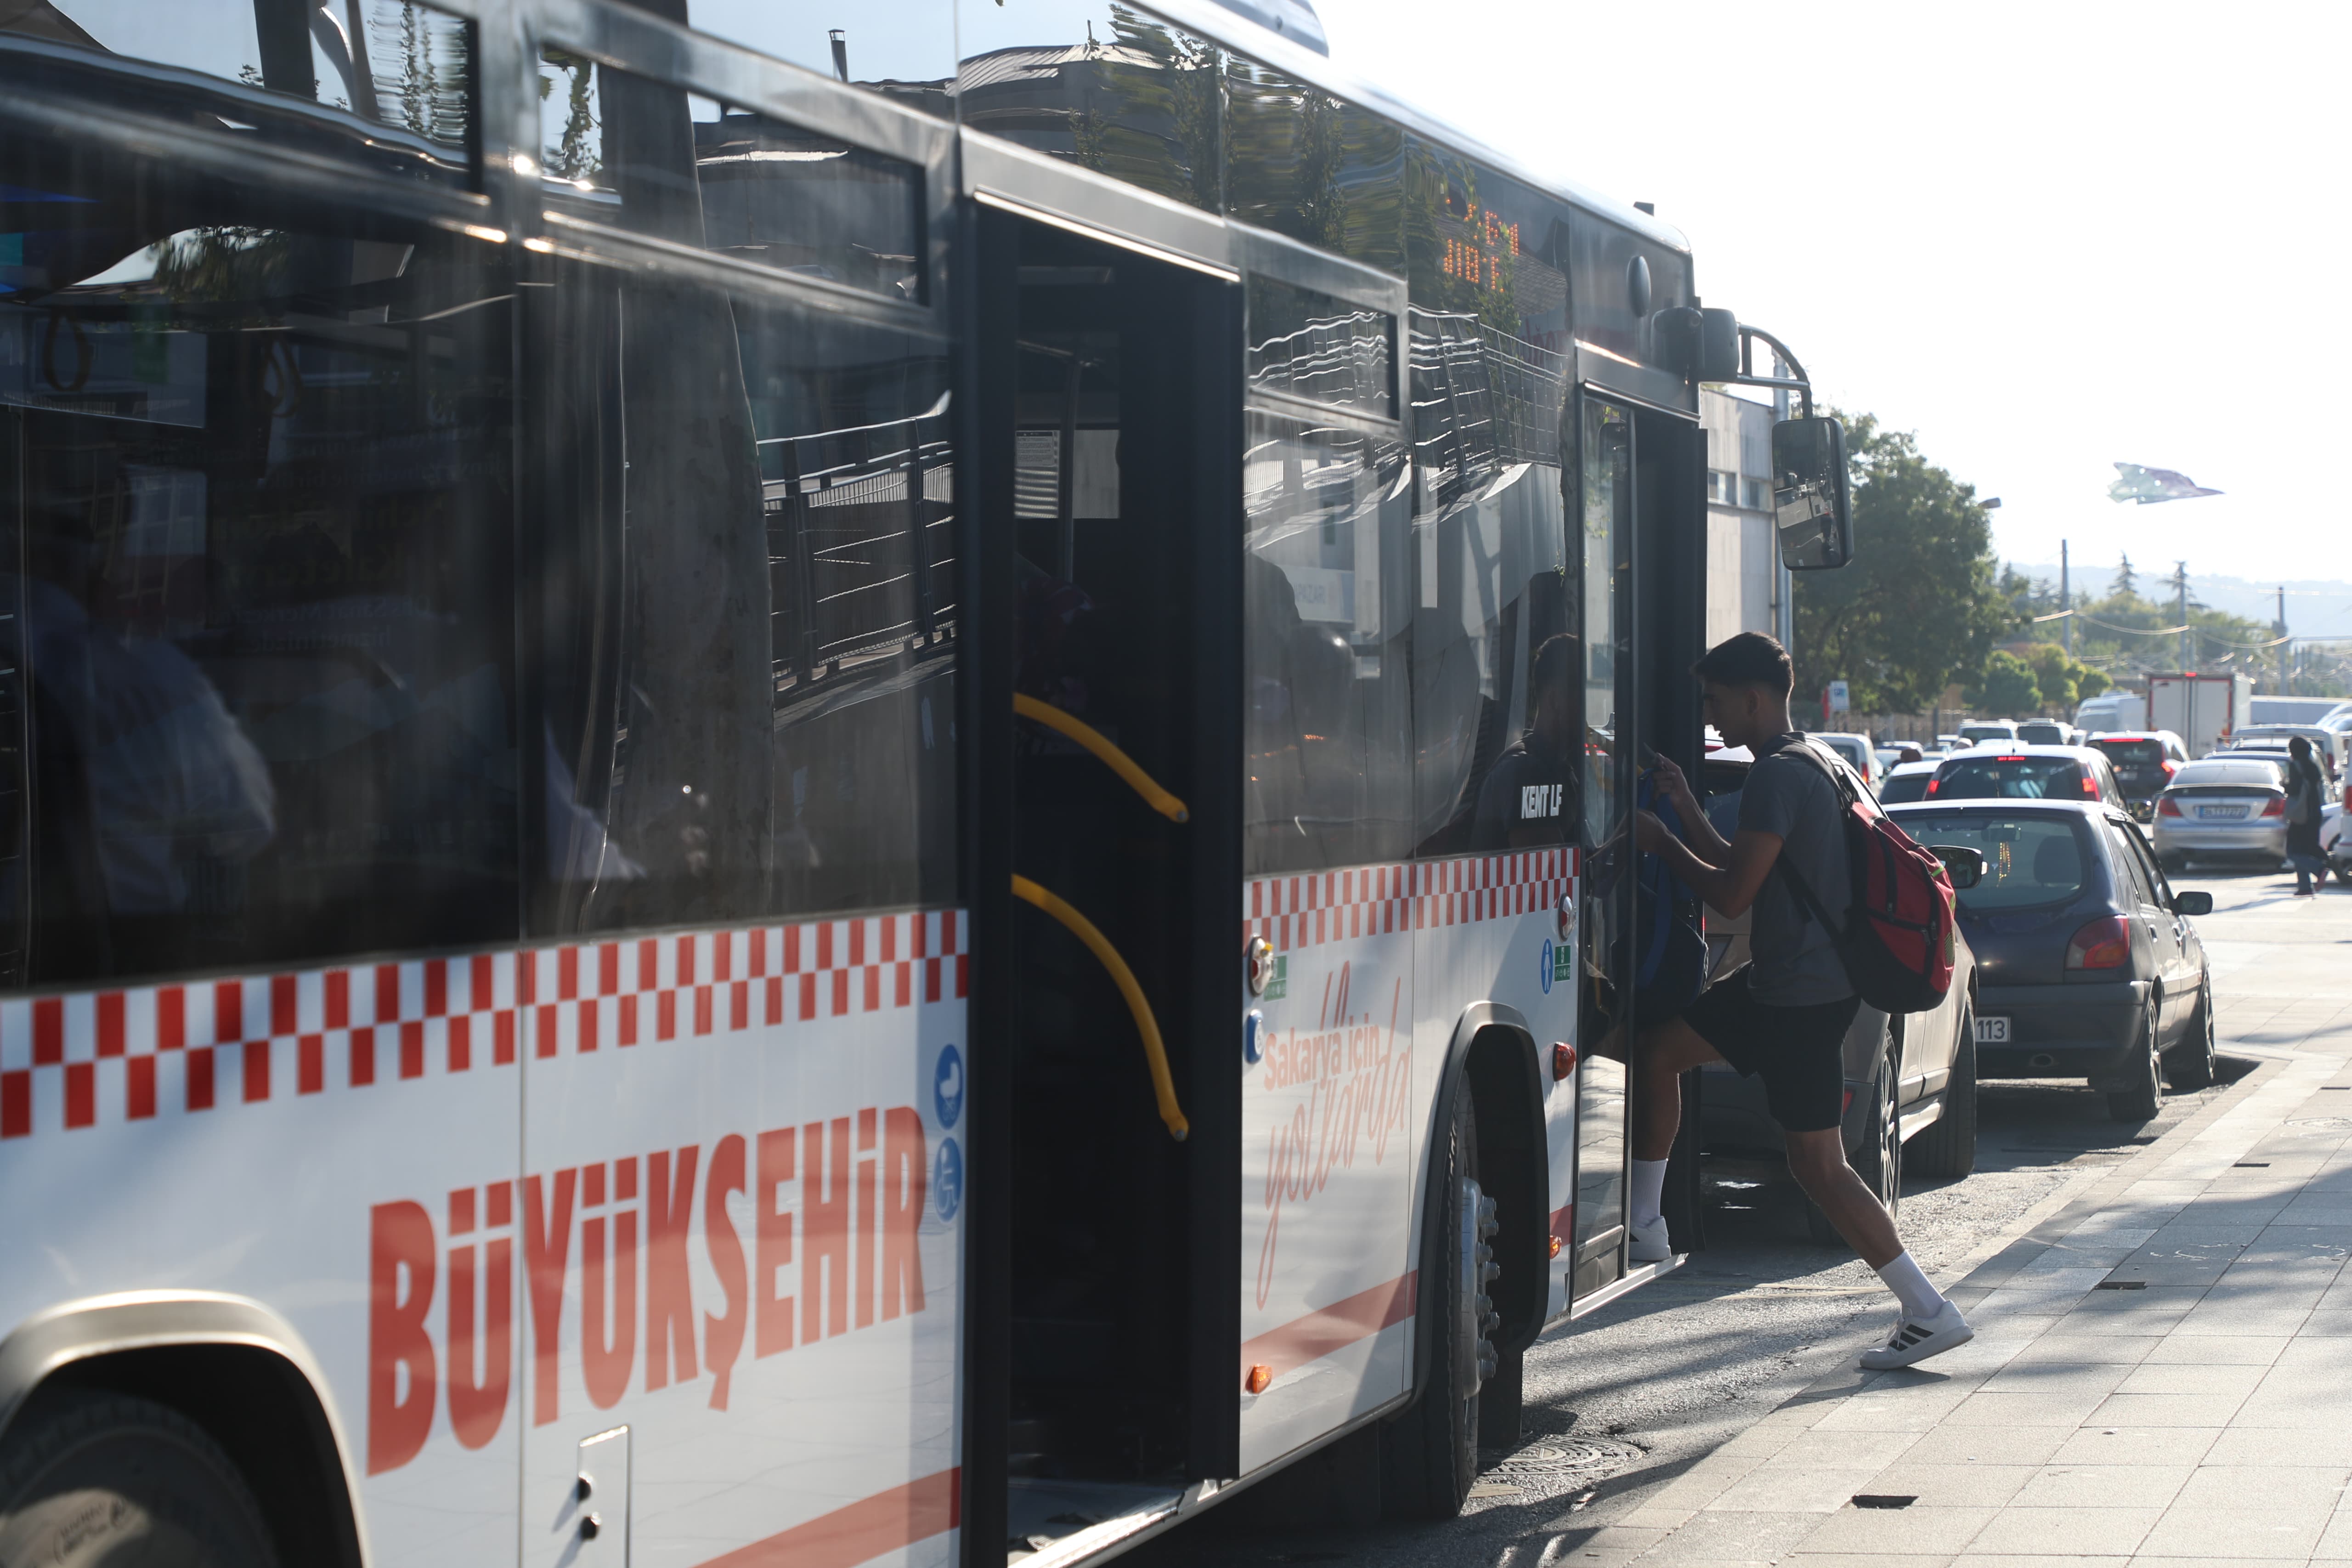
(1798, 1052)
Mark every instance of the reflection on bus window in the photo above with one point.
(626, 153)
(1314, 167)
(1494, 652)
(259, 678)
(905, 51)
(386, 82)
(1101, 85)
(1328, 728)
(1308, 345)
(749, 605)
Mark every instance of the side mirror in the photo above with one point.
(1965, 866)
(2192, 903)
(1811, 510)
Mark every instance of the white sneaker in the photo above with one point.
(1649, 1242)
(1914, 1341)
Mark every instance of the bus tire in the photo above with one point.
(89, 1479)
(1429, 1454)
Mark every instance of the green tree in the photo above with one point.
(2007, 687)
(2127, 585)
(1919, 607)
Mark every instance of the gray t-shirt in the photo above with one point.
(1796, 962)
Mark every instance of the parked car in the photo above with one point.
(2027, 773)
(2334, 843)
(2224, 808)
(1908, 781)
(1911, 1082)
(1987, 730)
(2144, 761)
(1859, 754)
(2086, 964)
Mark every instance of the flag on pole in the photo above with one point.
(2148, 486)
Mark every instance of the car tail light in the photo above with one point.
(2090, 785)
(1933, 786)
(2104, 944)
(2170, 767)
(2167, 806)
(2278, 807)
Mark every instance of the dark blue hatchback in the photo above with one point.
(2087, 966)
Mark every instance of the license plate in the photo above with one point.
(2222, 813)
(1993, 1031)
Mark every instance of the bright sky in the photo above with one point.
(2045, 237)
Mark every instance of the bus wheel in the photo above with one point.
(89, 1479)
(1429, 1455)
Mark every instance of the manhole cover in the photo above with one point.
(1578, 1457)
(2325, 1123)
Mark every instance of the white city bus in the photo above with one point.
(650, 651)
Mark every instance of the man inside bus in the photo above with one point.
(1529, 797)
(1783, 1017)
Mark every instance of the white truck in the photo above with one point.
(2113, 710)
(2204, 711)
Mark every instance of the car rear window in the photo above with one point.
(2232, 774)
(2125, 753)
(2042, 734)
(1901, 788)
(2029, 860)
(2010, 778)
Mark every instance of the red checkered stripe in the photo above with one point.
(152, 1052)
(1374, 901)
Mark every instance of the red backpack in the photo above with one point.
(1899, 941)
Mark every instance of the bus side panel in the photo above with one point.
(305, 1140)
(1487, 931)
(1329, 1120)
(744, 1178)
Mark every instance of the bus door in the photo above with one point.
(1329, 1124)
(1606, 465)
(738, 1222)
(1108, 1048)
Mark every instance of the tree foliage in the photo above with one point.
(1919, 607)
(2009, 688)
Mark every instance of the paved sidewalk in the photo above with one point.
(2162, 1369)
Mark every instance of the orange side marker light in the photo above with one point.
(1564, 1061)
(1555, 1247)
(1260, 1375)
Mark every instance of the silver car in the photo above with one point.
(2223, 808)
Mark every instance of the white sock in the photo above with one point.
(1920, 1299)
(1649, 1192)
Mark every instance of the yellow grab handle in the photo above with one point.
(1119, 762)
(1163, 1085)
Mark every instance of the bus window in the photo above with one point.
(1308, 345)
(1495, 662)
(1105, 87)
(1329, 721)
(1314, 167)
(903, 50)
(757, 189)
(260, 592)
(1486, 247)
(749, 602)
(389, 83)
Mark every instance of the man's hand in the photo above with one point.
(1650, 835)
(1675, 786)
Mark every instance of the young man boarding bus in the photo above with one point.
(1784, 1015)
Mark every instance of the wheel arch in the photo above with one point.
(1491, 1057)
(234, 1368)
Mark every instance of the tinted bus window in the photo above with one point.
(1105, 87)
(626, 153)
(1328, 724)
(386, 82)
(905, 50)
(1310, 346)
(747, 604)
(258, 630)
(1314, 167)
(1483, 246)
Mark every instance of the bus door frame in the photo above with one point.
(1003, 186)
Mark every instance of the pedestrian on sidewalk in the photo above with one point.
(1782, 1017)
(2306, 791)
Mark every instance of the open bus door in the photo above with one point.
(1105, 422)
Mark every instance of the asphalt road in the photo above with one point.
(1680, 1367)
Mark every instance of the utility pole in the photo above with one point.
(2180, 606)
(2280, 633)
(2065, 599)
